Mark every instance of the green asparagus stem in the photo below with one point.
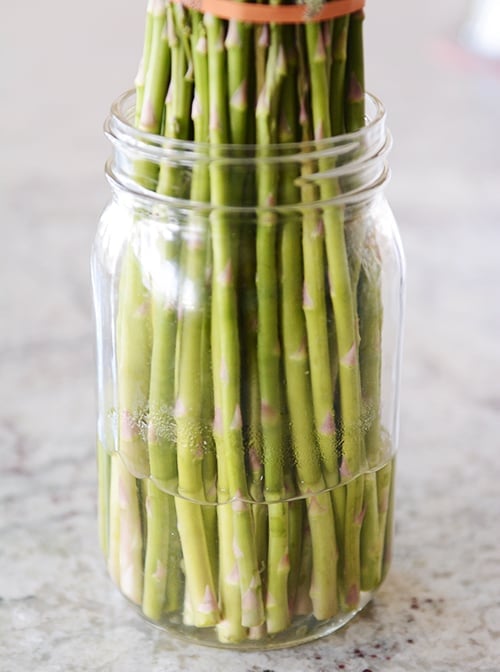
(387, 497)
(196, 546)
(371, 546)
(346, 325)
(268, 340)
(337, 76)
(323, 356)
(156, 568)
(113, 556)
(315, 308)
(134, 361)
(230, 628)
(303, 605)
(156, 71)
(373, 530)
(134, 337)
(225, 316)
(130, 530)
(355, 96)
(104, 485)
(323, 590)
(296, 515)
(151, 93)
(140, 79)
(370, 326)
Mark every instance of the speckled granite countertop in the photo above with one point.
(439, 609)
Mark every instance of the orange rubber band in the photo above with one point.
(257, 13)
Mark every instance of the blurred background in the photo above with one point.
(436, 67)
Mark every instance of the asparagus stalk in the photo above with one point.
(230, 628)
(225, 316)
(189, 341)
(314, 302)
(241, 131)
(269, 358)
(113, 555)
(134, 361)
(201, 193)
(104, 497)
(337, 76)
(140, 79)
(130, 544)
(377, 493)
(156, 563)
(346, 325)
(134, 342)
(355, 97)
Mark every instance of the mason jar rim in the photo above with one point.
(119, 127)
(359, 154)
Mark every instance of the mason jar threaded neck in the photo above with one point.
(354, 163)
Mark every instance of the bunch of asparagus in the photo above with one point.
(249, 487)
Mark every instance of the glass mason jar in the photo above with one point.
(248, 307)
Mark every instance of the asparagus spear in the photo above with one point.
(355, 95)
(140, 79)
(225, 317)
(269, 358)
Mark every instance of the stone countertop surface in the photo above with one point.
(439, 609)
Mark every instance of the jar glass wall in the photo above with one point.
(248, 307)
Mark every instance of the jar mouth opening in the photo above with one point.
(119, 126)
(355, 163)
